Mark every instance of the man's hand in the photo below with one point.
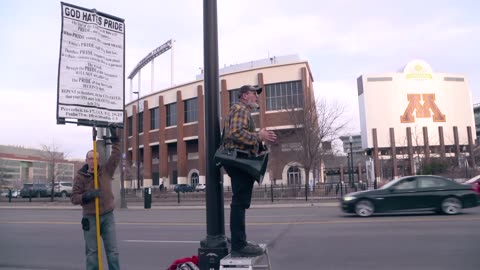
(113, 134)
(90, 195)
(267, 135)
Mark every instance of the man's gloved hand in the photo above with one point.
(113, 134)
(90, 195)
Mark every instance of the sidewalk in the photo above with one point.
(66, 205)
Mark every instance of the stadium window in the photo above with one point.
(140, 123)
(154, 118)
(284, 95)
(171, 114)
(233, 96)
(191, 110)
(129, 124)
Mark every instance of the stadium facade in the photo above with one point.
(167, 125)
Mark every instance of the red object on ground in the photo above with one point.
(193, 259)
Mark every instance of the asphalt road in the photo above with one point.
(316, 237)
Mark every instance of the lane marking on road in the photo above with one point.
(281, 216)
(39, 222)
(162, 223)
(335, 221)
(118, 223)
(162, 241)
(361, 220)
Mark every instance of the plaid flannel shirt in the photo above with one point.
(240, 129)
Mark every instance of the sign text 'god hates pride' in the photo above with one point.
(91, 66)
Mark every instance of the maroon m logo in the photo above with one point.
(422, 111)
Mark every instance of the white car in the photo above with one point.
(63, 189)
(200, 187)
(5, 193)
(15, 193)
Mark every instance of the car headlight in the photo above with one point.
(349, 198)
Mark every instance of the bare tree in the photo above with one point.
(318, 122)
(4, 175)
(55, 164)
(130, 171)
(436, 164)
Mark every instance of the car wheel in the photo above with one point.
(64, 194)
(451, 206)
(364, 208)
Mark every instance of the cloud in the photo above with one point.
(343, 93)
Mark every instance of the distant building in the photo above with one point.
(356, 140)
(413, 115)
(19, 165)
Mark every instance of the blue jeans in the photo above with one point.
(242, 186)
(107, 232)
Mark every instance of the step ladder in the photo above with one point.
(245, 263)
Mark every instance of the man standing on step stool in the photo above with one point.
(240, 134)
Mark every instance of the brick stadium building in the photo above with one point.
(171, 123)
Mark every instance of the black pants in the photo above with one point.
(242, 186)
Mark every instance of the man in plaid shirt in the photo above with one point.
(240, 134)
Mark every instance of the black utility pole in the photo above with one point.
(350, 165)
(123, 201)
(214, 247)
(351, 162)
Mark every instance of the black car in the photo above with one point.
(418, 192)
(35, 190)
(183, 188)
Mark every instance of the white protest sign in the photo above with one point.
(91, 66)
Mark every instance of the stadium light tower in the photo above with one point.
(138, 138)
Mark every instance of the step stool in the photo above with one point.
(244, 263)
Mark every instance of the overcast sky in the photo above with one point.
(340, 39)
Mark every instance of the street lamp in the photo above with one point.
(350, 169)
(123, 202)
(463, 160)
(138, 138)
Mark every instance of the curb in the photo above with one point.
(171, 207)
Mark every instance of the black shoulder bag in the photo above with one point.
(254, 165)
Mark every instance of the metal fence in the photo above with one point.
(264, 193)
